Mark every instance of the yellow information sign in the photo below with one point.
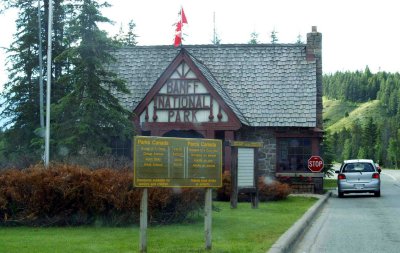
(177, 162)
(247, 144)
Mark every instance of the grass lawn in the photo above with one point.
(330, 183)
(234, 230)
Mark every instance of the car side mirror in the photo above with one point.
(336, 171)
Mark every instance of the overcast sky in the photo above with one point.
(355, 33)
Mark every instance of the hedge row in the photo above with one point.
(70, 195)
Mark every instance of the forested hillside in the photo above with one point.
(362, 115)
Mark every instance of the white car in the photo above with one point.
(359, 176)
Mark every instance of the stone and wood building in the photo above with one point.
(269, 93)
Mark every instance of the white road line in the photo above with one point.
(395, 179)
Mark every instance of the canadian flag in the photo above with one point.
(179, 25)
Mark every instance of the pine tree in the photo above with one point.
(274, 37)
(128, 39)
(347, 150)
(22, 90)
(328, 154)
(23, 137)
(356, 138)
(393, 152)
(253, 38)
(299, 39)
(369, 138)
(90, 116)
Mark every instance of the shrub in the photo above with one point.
(272, 190)
(224, 192)
(73, 195)
(267, 189)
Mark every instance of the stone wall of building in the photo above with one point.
(266, 154)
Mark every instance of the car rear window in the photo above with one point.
(358, 167)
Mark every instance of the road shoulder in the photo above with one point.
(286, 242)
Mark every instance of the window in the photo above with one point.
(293, 154)
(358, 167)
(121, 147)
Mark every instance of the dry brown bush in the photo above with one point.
(273, 190)
(73, 195)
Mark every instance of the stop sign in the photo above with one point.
(315, 163)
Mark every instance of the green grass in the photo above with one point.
(330, 183)
(234, 230)
(334, 113)
(334, 110)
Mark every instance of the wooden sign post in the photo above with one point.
(208, 219)
(143, 221)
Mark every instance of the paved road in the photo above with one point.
(358, 223)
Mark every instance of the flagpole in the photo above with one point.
(41, 113)
(215, 36)
(49, 48)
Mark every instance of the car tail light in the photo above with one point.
(341, 176)
(375, 175)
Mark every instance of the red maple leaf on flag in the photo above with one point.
(178, 30)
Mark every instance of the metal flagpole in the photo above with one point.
(215, 36)
(49, 48)
(40, 71)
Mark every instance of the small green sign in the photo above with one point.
(177, 162)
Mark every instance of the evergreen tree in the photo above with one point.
(328, 154)
(356, 138)
(299, 39)
(253, 38)
(335, 145)
(362, 154)
(23, 137)
(274, 37)
(21, 93)
(347, 150)
(128, 39)
(393, 152)
(369, 138)
(90, 116)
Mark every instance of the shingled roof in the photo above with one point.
(263, 84)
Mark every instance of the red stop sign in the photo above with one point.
(315, 163)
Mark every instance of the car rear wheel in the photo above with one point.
(340, 194)
(377, 193)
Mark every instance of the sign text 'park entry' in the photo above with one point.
(177, 162)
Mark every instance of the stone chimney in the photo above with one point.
(314, 53)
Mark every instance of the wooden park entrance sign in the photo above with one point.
(176, 162)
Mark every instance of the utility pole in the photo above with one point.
(49, 48)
